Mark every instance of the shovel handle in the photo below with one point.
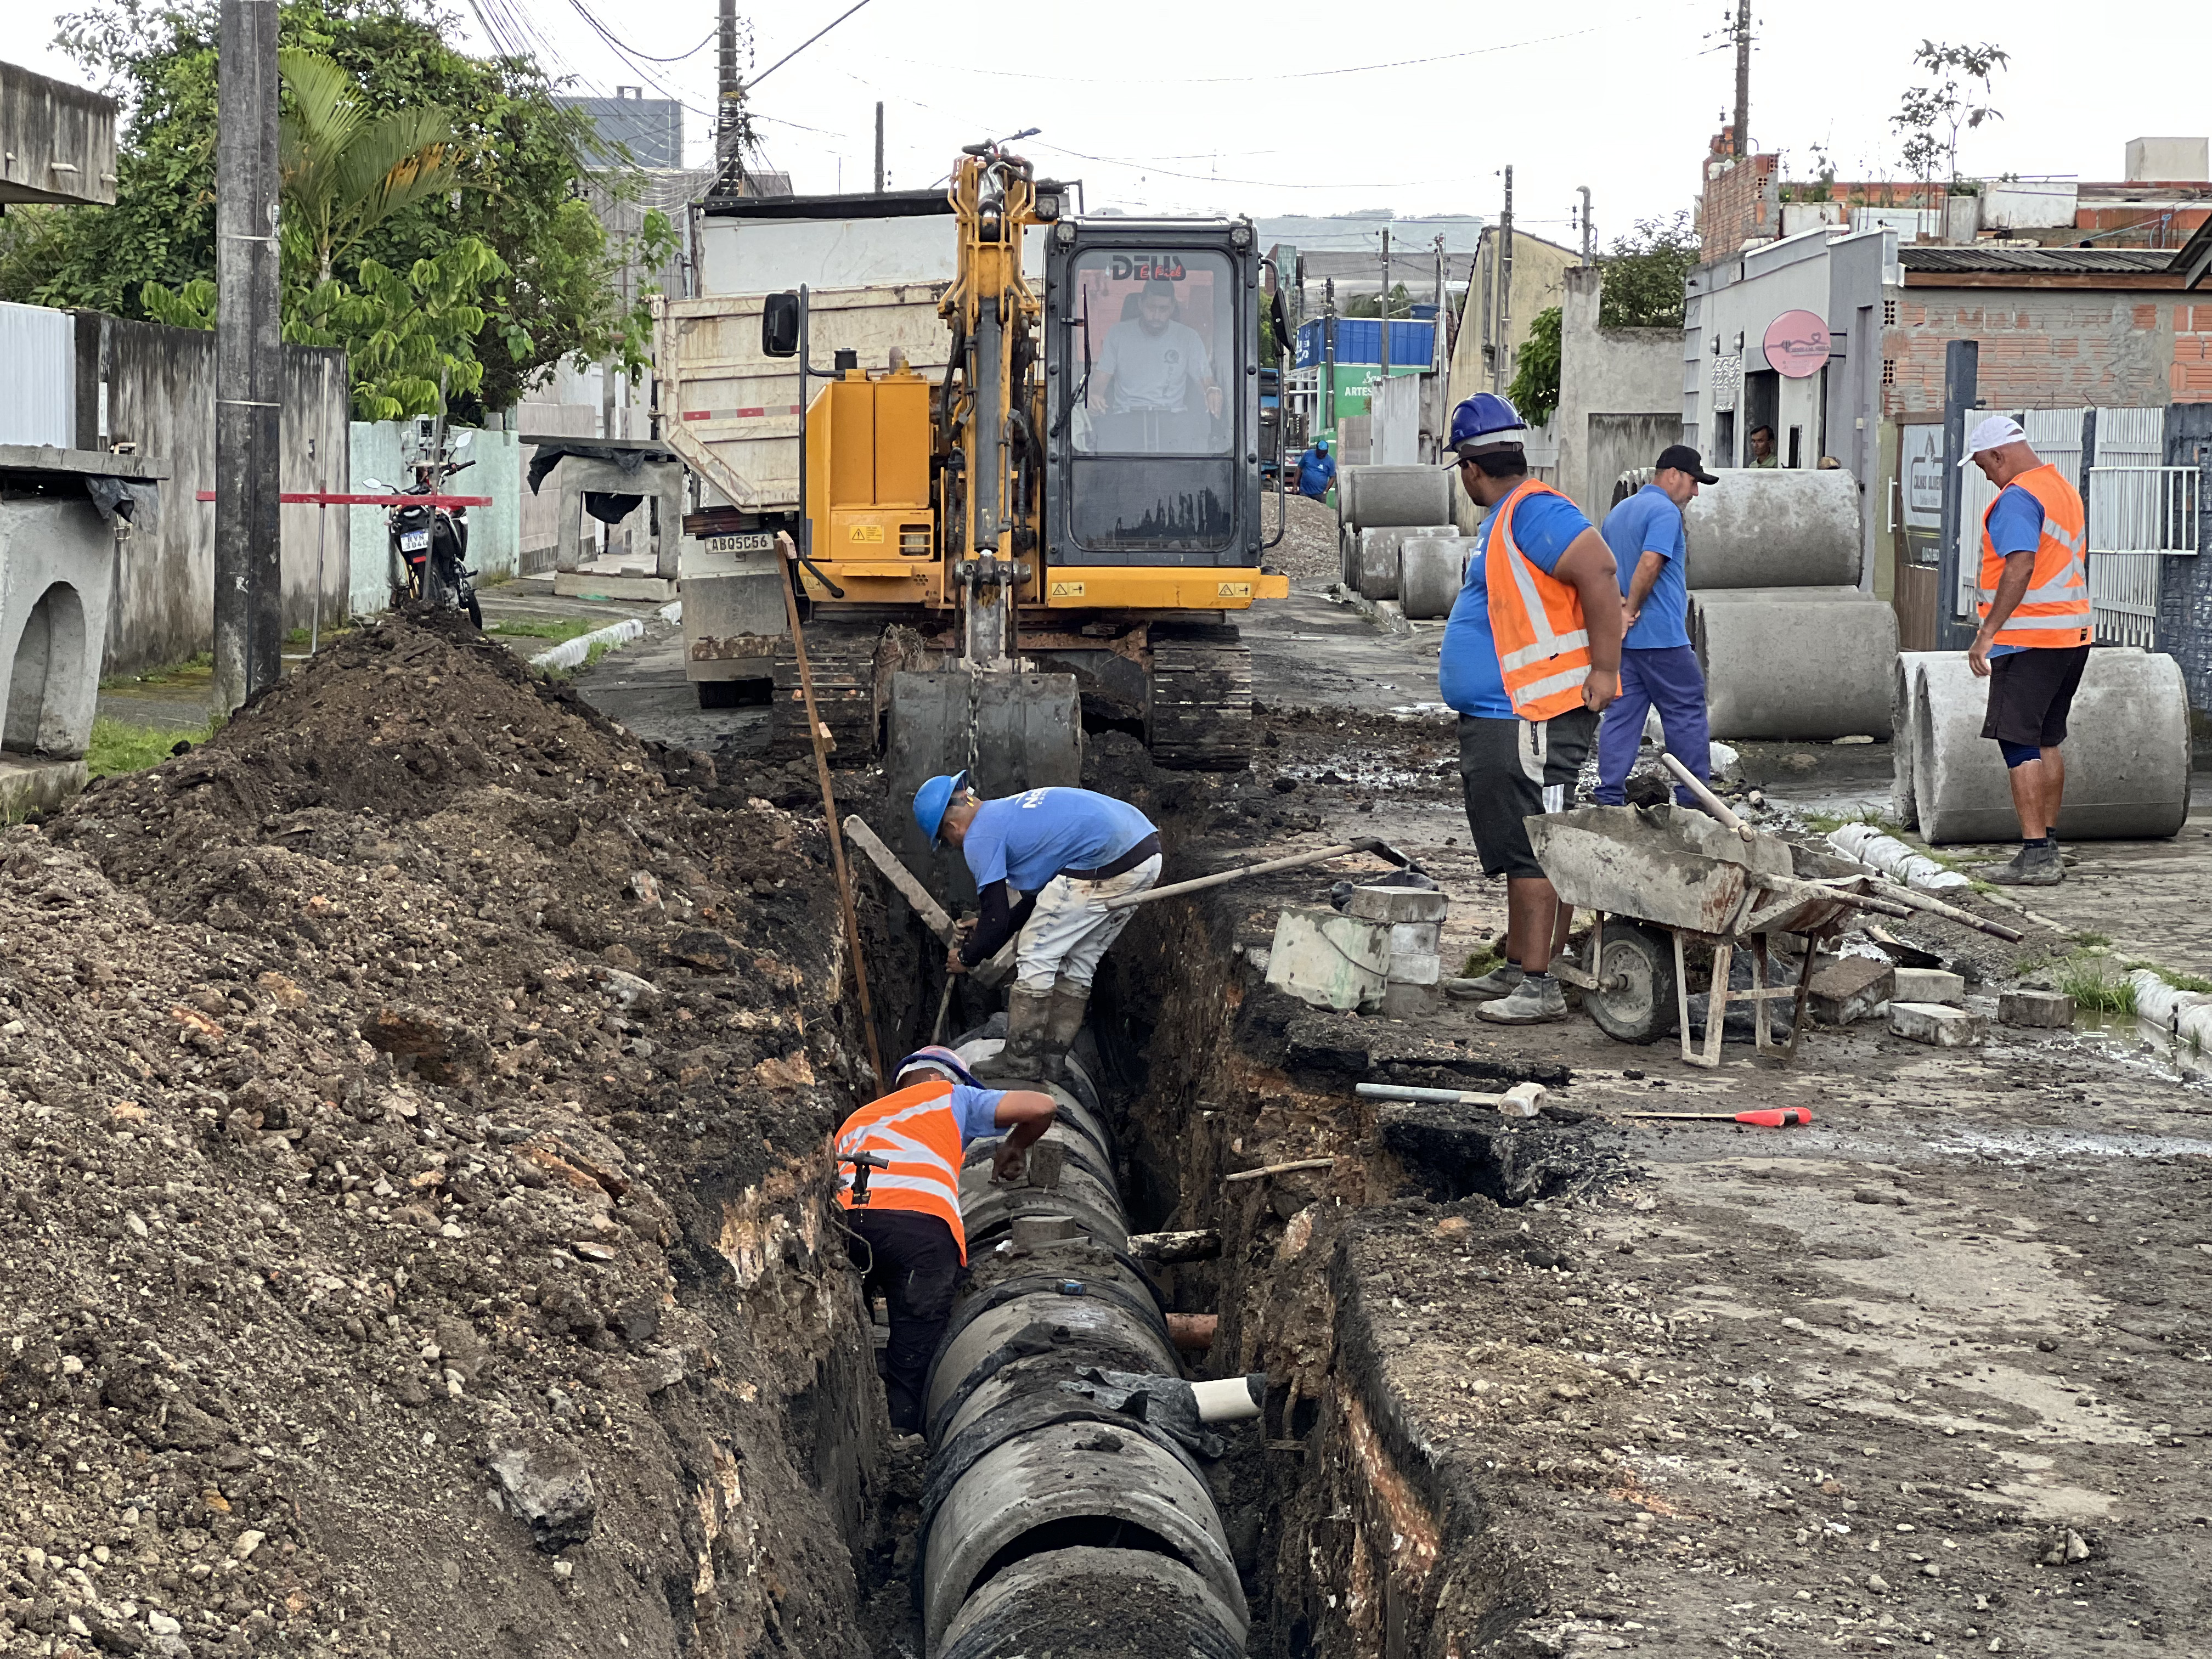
(1295, 862)
(1712, 803)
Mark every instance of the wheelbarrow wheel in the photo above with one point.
(1641, 1007)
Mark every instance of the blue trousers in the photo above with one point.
(1666, 679)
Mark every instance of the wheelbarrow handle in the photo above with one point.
(1712, 803)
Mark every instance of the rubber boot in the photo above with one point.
(1062, 1023)
(1019, 1060)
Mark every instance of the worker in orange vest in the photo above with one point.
(2034, 638)
(898, 1181)
(1531, 656)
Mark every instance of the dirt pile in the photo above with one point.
(411, 1106)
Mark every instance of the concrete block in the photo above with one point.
(1849, 989)
(1934, 1024)
(1403, 1001)
(1416, 939)
(1327, 960)
(2040, 1009)
(1928, 984)
(1397, 904)
(1416, 968)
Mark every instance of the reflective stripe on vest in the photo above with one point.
(2055, 610)
(918, 1133)
(1543, 652)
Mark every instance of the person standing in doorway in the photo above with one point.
(1658, 669)
(2034, 638)
(1531, 656)
(1762, 448)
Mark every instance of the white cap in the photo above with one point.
(1994, 432)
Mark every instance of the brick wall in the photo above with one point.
(2045, 348)
(2192, 379)
(1735, 205)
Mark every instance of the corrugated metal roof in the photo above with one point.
(2071, 261)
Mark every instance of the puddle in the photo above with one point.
(2139, 1042)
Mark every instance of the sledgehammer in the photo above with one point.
(1522, 1100)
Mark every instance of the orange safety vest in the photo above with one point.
(1543, 642)
(917, 1130)
(2054, 610)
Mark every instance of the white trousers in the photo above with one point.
(1067, 933)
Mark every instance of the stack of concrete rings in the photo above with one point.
(1048, 1509)
(1377, 508)
(2127, 750)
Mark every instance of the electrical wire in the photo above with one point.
(807, 42)
(633, 54)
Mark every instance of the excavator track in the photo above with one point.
(843, 664)
(1199, 716)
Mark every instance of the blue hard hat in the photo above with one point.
(940, 1058)
(932, 798)
(1483, 421)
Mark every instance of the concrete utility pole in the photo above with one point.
(1589, 235)
(729, 93)
(1962, 363)
(1386, 303)
(1740, 134)
(879, 148)
(249, 574)
(1328, 356)
(1498, 377)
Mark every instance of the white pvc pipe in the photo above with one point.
(1230, 1399)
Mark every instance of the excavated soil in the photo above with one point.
(410, 1110)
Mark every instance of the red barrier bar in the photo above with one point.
(325, 498)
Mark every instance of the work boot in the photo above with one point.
(1535, 1001)
(2032, 867)
(1063, 1021)
(1021, 1059)
(1499, 981)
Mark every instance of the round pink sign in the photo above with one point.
(1797, 345)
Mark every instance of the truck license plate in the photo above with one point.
(414, 541)
(752, 541)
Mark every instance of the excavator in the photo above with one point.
(1077, 504)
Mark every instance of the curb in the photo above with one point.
(572, 653)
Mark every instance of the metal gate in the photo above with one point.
(2138, 517)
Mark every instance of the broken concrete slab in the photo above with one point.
(1849, 989)
(2038, 1010)
(1937, 1024)
(1930, 985)
(1327, 960)
(1415, 939)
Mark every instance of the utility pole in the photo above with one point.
(879, 148)
(728, 94)
(1498, 377)
(1386, 303)
(1589, 236)
(1741, 133)
(1328, 355)
(249, 572)
(1962, 361)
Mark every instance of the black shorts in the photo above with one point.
(1515, 769)
(2031, 693)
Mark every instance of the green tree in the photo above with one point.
(1371, 304)
(1644, 273)
(1535, 388)
(1931, 115)
(550, 293)
(344, 170)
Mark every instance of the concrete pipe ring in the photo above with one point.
(1796, 664)
(1431, 569)
(1091, 1329)
(1757, 528)
(1058, 1484)
(990, 1210)
(1088, 1603)
(1370, 498)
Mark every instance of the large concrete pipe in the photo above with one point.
(991, 1207)
(1378, 556)
(2127, 751)
(1079, 1483)
(1430, 570)
(1757, 528)
(1090, 1603)
(1372, 496)
(1809, 664)
(1045, 1330)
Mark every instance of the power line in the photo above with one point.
(1225, 178)
(807, 42)
(633, 54)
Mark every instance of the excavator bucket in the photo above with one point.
(1011, 731)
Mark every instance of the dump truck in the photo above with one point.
(1017, 450)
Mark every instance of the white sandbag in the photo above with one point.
(1884, 853)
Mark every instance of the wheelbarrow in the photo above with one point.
(1671, 876)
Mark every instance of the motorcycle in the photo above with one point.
(431, 544)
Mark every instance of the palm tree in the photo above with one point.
(345, 171)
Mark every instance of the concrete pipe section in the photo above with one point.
(1431, 569)
(1067, 1511)
(1370, 497)
(2127, 751)
(1378, 556)
(1773, 529)
(1801, 664)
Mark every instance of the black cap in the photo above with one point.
(1683, 459)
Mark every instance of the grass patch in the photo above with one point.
(554, 633)
(118, 747)
(2176, 978)
(1483, 961)
(2094, 941)
(2097, 982)
(193, 667)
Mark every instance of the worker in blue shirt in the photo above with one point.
(1658, 669)
(1317, 470)
(1046, 862)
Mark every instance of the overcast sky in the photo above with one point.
(1208, 106)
